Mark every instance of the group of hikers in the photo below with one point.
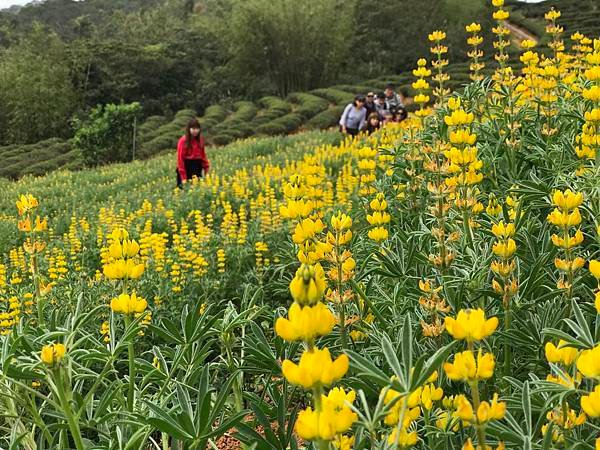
(369, 112)
(366, 113)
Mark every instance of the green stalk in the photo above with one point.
(478, 427)
(64, 398)
(401, 420)
(131, 390)
(343, 331)
(317, 392)
(507, 349)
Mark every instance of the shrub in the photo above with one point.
(107, 134)
(326, 119)
(310, 105)
(334, 95)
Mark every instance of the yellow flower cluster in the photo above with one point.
(408, 409)
(309, 318)
(367, 165)
(433, 305)
(472, 326)
(475, 53)
(566, 216)
(120, 257)
(422, 87)
(378, 219)
(128, 304)
(500, 30)
(504, 282)
(438, 64)
(588, 141)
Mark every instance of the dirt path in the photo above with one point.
(519, 34)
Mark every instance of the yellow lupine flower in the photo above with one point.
(343, 442)
(588, 362)
(123, 268)
(565, 218)
(464, 409)
(26, 203)
(378, 203)
(491, 411)
(465, 368)
(501, 15)
(430, 394)
(597, 302)
(595, 268)
(591, 403)
(569, 241)
(567, 200)
(473, 28)
(52, 354)
(462, 136)
(308, 285)
(128, 304)
(378, 218)
(307, 229)
(334, 418)
(341, 222)
(378, 234)
(315, 368)
(437, 36)
(305, 323)
(470, 325)
(560, 353)
(566, 266)
(505, 249)
(498, 3)
(459, 117)
(502, 230)
(405, 439)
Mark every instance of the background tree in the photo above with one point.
(297, 45)
(37, 96)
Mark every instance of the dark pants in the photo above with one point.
(350, 131)
(193, 167)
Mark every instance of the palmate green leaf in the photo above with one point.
(166, 421)
(392, 359)
(580, 327)
(365, 368)
(432, 364)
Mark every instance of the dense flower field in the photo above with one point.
(435, 285)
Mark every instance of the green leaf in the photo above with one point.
(407, 356)
(365, 367)
(433, 363)
(163, 421)
(390, 355)
(526, 403)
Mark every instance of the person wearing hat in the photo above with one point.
(354, 117)
(370, 103)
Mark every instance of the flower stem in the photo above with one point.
(64, 400)
(480, 428)
(131, 389)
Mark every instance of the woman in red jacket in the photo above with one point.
(191, 155)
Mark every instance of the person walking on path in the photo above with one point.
(354, 117)
(191, 154)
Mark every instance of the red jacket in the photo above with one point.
(196, 151)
